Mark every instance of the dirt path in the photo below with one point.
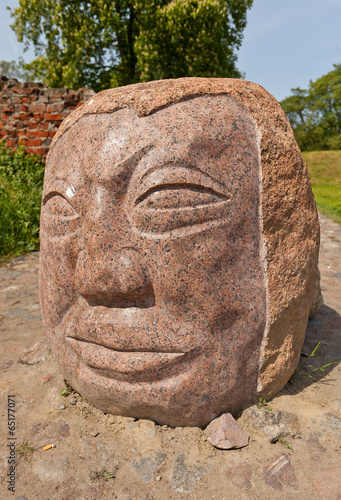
(143, 460)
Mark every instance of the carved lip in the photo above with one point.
(125, 365)
(128, 330)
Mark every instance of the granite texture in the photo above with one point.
(224, 433)
(179, 242)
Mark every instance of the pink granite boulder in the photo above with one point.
(179, 245)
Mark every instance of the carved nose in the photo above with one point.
(116, 279)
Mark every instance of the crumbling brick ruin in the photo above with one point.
(31, 113)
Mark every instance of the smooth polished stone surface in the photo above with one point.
(179, 241)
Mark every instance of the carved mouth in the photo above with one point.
(127, 330)
(127, 365)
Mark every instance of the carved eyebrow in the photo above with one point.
(179, 164)
(176, 174)
(136, 156)
(127, 165)
(59, 187)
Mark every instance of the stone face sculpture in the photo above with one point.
(179, 242)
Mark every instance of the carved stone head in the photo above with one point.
(168, 210)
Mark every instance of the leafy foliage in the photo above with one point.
(13, 69)
(106, 43)
(69, 389)
(21, 180)
(191, 38)
(315, 114)
(263, 404)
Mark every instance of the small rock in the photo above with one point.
(35, 353)
(328, 483)
(55, 469)
(19, 313)
(4, 365)
(42, 434)
(47, 378)
(94, 434)
(279, 473)
(33, 307)
(11, 274)
(330, 423)
(84, 492)
(184, 479)
(146, 466)
(124, 493)
(146, 427)
(315, 447)
(18, 259)
(240, 475)
(17, 498)
(62, 407)
(273, 425)
(225, 433)
(72, 401)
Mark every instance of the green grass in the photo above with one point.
(325, 175)
(21, 180)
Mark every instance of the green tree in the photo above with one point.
(106, 43)
(13, 69)
(315, 114)
(192, 38)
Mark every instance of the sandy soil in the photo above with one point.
(98, 456)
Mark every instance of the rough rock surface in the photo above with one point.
(279, 473)
(328, 483)
(274, 425)
(177, 248)
(225, 433)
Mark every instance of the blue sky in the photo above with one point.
(286, 42)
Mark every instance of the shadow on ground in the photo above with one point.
(323, 329)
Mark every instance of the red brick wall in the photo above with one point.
(31, 113)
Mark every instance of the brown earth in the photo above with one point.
(147, 461)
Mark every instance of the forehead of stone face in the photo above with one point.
(216, 132)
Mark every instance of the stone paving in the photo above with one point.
(330, 262)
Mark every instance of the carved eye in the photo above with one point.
(176, 187)
(57, 206)
(177, 196)
(174, 200)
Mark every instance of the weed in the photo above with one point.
(25, 450)
(285, 443)
(102, 475)
(263, 404)
(69, 390)
(311, 371)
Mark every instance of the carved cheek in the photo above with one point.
(57, 273)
